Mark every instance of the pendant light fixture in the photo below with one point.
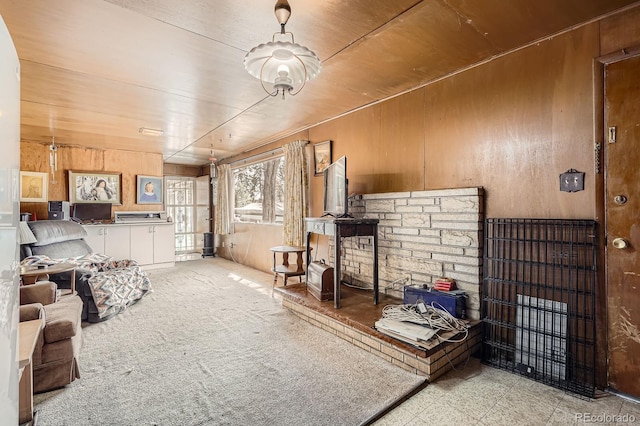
(282, 66)
(53, 159)
(212, 163)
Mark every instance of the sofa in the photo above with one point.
(56, 354)
(105, 286)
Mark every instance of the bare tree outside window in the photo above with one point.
(269, 192)
(259, 192)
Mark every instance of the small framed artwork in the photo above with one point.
(149, 189)
(321, 156)
(33, 187)
(95, 187)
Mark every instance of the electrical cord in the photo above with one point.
(392, 285)
(451, 362)
(351, 285)
(433, 316)
(436, 318)
(246, 253)
(315, 255)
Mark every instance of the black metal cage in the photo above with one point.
(538, 305)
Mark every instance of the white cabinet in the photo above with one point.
(95, 238)
(164, 243)
(153, 244)
(112, 240)
(142, 238)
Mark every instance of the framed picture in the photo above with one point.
(95, 187)
(149, 189)
(33, 187)
(321, 156)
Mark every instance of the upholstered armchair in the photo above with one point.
(55, 358)
(106, 286)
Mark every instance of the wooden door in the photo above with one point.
(622, 204)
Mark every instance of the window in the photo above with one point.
(259, 192)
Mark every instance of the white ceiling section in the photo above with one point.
(94, 72)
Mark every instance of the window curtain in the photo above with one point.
(295, 192)
(222, 224)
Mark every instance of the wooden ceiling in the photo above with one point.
(94, 72)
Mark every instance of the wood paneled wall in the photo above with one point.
(514, 125)
(620, 31)
(511, 126)
(184, 170)
(35, 157)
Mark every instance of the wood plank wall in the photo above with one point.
(183, 170)
(511, 126)
(35, 157)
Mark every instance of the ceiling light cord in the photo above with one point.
(53, 159)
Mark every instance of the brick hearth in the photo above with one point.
(354, 322)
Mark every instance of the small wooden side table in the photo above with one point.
(28, 334)
(285, 269)
(30, 274)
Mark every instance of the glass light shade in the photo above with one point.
(266, 61)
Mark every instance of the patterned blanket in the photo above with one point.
(114, 284)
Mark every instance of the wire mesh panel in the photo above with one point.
(539, 300)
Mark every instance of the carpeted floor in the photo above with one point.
(212, 346)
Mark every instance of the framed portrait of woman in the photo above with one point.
(95, 187)
(149, 189)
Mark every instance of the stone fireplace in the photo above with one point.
(422, 236)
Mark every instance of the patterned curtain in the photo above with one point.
(295, 192)
(222, 224)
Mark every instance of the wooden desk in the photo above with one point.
(341, 228)
(285, 269)
(28, 334)
(30, 274)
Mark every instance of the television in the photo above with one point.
(335, 189)
(92, 212)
